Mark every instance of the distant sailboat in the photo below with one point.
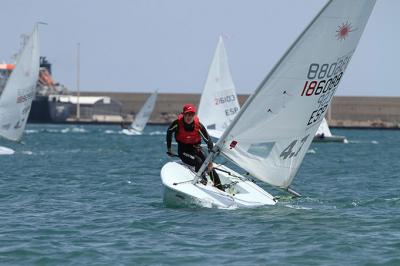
(218, 103)
(324, 134)
(19, 91)
(271, 134)
(138, 125)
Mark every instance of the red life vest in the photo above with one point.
(188, 137)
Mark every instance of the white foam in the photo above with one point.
(31, 131)
(311, 151)
(297, 207)
(158, 133)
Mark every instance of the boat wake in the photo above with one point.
(363, 142)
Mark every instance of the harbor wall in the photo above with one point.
(345, 111)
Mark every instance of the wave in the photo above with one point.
(297, 207)
(157, 133)
(74, 130)
(53, 130)
(31, 131)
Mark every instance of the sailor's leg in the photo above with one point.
(187, 158)
(199, 158)
(215, 178)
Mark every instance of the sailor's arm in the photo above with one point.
(206, 137)
(171, 129)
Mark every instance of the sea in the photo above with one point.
(89, 195)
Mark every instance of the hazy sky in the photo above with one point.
(142, 45)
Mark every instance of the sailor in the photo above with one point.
(123, 125)
(188, 134)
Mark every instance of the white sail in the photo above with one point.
(271, 134)
(144, 114)
(17, 96)
(323, 129)
(218, 103)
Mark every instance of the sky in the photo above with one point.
(143, 45)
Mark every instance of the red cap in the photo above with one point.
(189, 108)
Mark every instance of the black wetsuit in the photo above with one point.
(192, 154)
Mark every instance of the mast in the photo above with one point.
(78, 110)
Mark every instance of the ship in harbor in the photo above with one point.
(53, 102)
(46, 107)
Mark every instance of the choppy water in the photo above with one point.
(83, 195)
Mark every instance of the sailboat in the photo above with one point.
(138, 125)
(271, 134)
(218, 103)
(19, 91)
(324, 134)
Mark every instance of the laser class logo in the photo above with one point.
(343, 31)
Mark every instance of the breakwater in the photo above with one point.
(345, 111)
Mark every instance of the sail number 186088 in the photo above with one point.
(322, 78)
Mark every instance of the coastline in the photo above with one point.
(352, 112)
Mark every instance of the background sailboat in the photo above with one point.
(138, 125)
(218, 103)
(324, 134)
(17, 96)
(272, 132)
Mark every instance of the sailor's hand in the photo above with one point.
(210, 166)
(170, 153)
(210, 145)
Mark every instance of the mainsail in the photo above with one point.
(17, 96)
(145, 112)
(323, 129)
(218, 103)
(271, 134)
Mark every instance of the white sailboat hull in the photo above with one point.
(131, 132)
(6, 151)
(179, 189)
(331, 138)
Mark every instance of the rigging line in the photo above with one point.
(190, 169)
(242, 178)
(246, 175)
(178, 183)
